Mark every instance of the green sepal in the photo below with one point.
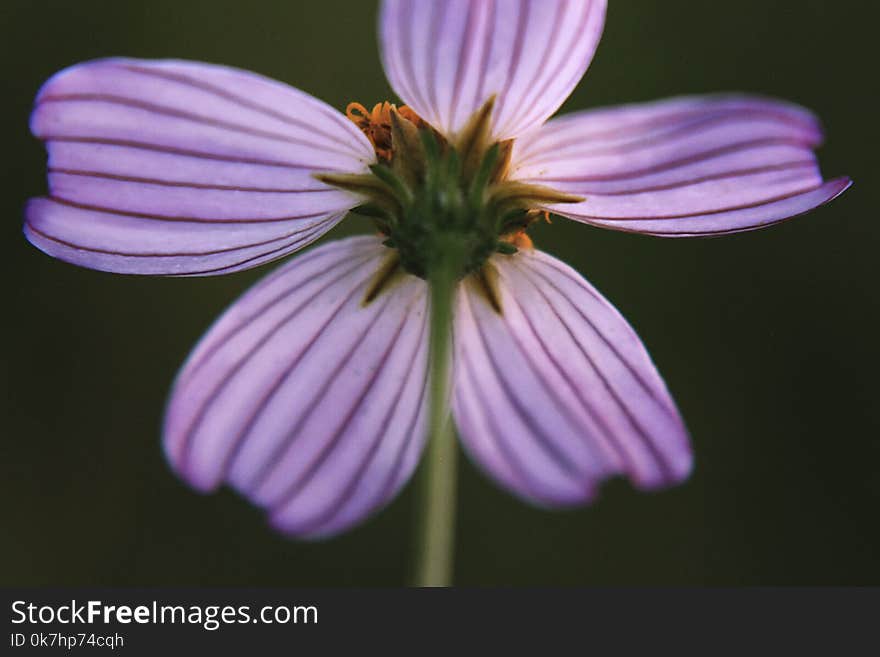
(511, 220)
(401, 191)
(409, 160)
(474, 139)
(431, 145)
(371, 210)
(476, 193)
(514, 194)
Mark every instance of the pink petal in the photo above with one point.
(686, 166)
(445, 59)
(171, 167)
(557, 393)
(307, 402)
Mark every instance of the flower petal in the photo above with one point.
(681, 167)
(307, 402)
(181, 168)
(445, 59)
(556, 393)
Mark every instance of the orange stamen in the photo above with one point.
(519, 239)
(376, 124)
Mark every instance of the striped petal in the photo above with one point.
(687, 166)
(181, 168)
(556, 393)
(445, 59)
(307, 402)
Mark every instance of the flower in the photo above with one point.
(309, 395)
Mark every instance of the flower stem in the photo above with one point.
(434, 566)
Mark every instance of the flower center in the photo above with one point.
(442, 201)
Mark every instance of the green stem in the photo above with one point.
(438, 520)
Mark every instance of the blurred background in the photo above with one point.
(768, 340)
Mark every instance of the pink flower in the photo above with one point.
(309, 395)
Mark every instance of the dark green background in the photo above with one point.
(768, 340)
